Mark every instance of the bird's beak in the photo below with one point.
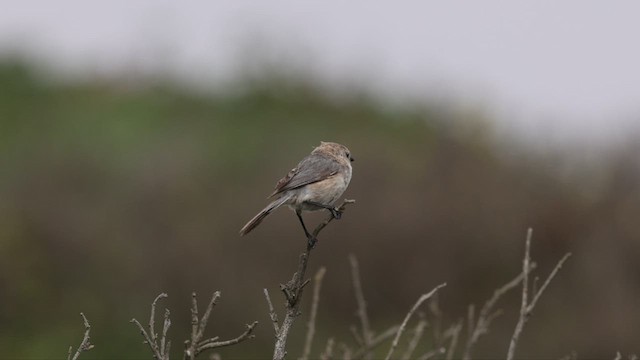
(352, 158)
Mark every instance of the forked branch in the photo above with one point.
(415, 307)
(526, 306)
(85, 345)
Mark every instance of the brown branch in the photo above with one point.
(433, 353)
(436, 322)
(417, 335)
(346, 352)
(487, 315)
(377, 341)
(526, 307)
(422, 299)
(160, 352)
(272, 312)
(330, 218)
(85, 345)
(454, 333)
(196, 345)
(311, 325)
(367, 334)
(328, 350)
(216, 344)
(294, 288)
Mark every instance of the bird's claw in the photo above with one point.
(311, 241)
(337, 214)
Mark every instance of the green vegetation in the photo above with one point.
(115, 191)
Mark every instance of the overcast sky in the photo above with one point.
(570, 66)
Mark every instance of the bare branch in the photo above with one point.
(486, 315)
(346, 352)
(434, 308)
(85, 345)
(546, 283)
(294, 288)
(525, 295)
(328, 350)
(205, 318)
(196, 345)
(454, 333)
(194, 327)
(367, 334)
(417, 334)
(272, 312)
(159, 351)
(356, 336)
(244, 336)
(311, 325)
(378, 340)
(526, 307)
(433, 353)
(147, 340)
(422, 299)
(152, 317)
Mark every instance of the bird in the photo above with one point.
(314, 184)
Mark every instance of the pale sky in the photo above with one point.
(570, 67)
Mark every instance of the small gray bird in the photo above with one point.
(315, 184)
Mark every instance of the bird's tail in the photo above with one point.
(263, 214)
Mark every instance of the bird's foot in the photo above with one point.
(311, 241)
(337, 214)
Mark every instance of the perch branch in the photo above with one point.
(293, 289)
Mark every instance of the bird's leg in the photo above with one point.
(312, 240)
(337, 214)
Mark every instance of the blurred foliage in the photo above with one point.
(114, 190)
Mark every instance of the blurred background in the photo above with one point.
(136, 138)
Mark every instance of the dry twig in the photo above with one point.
(328, 350)
(196, 345)
(367, 335)
(487, 315)
(272, 312)
(311, 325)
(413, 343)
(377, 341)
(85, 345)
(454, 333)
(526, 307)
(159, 351)
(431, 354)
(422, 299)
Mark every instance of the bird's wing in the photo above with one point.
(312, 168)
